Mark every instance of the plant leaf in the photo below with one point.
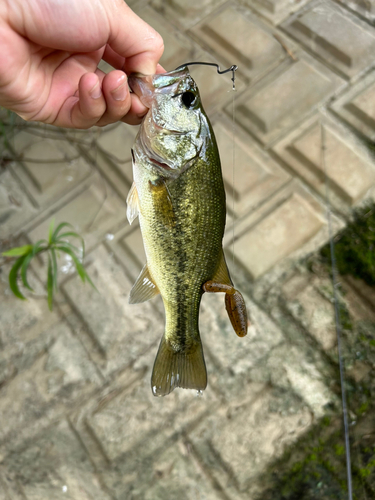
(13, 278)
(73, 235)
(89, 280)
(37, 247)
(68, 244)
(54, 267)
(24, 267)
(58, 229)
(80, 269)
(50, 231)
(15, 252)
(50, 284)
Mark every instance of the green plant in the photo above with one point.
(355, 246)
(55, 244)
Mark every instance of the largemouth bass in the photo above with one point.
(178, 194)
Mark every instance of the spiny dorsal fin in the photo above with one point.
(144, 288)
(222, 274)
(178, 369)
(132, 201)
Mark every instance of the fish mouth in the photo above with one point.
(145, 86)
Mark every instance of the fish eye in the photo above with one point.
(188, 99)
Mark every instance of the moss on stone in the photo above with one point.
(355, 246)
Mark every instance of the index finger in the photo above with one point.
(136, 41)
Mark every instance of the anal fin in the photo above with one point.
(144, 288)
(178, 369)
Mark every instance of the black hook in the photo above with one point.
(233, 68)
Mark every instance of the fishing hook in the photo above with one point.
(233, 68)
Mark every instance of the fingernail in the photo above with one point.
(121, 92)
(96, 91)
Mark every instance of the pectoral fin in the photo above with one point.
(163, 202)
(234, 302)
(132, 202)
(144, 288)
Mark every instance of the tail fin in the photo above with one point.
(178, 369)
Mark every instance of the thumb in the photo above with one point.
(136, 41)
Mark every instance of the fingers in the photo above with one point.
(100, 100)
(140, 45)
(85, 109)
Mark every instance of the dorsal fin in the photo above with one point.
(144, 288)
(132, 202)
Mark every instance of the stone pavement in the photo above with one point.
(78, 420)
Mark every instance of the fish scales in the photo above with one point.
(179, 195)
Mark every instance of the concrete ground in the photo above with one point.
(78, 420)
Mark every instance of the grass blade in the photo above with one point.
(37, 248)
(54, 267)
(80, 269)
(17, 251)
(58, 229)
(13, 278)
(73, 235)
(67, 244)
(50, 231)
(24, 267)
(50, 284)
(77, 263)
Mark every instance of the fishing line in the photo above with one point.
(337, 317)
(233, 163)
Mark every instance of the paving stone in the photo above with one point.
(92, 212)
(309, 306)
(215, 90)
(265, 237)
(27, 328)
(122, 331)
(58, 376)
(185, 15)
(114, 158)
(175, 474)
(357, 106)
(135, 422)
(323, 26)
(256, 175)
(348, 165)
(54, 466)
(15, 206)
(9, 489)
(234, 357)
(269, 421)
(54, 168)
(128, 248)
(366, 8)
(272, 107)
(117, 142)
(224, 32)
(275, 10)
(178, 48)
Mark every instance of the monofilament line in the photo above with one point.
(234, 163)
(337, 316)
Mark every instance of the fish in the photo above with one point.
(178, 194)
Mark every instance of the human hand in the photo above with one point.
(49, 59)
